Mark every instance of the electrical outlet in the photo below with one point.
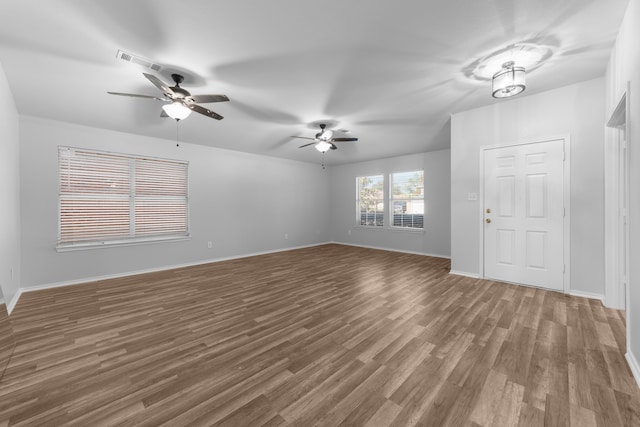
(286, 236)
(349, 232)
(209, 245)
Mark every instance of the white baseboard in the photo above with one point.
(12, 304)
(634, 365)
(149, 270)
(464, 273)
(392, 250)
(589, 295)
(574, 293)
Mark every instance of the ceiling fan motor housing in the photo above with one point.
(324, 135)
(182, 93)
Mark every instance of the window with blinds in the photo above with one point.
(108, 198)
(407, 199)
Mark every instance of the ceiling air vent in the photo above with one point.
(137, 60)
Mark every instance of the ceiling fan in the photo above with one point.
(324, 140)
(180, 102)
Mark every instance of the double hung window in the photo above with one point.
(107, 198)
(407, 199)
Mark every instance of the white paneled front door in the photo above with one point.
(524, 214)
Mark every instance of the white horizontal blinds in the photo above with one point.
(94, 195)
(114, 197)
(370, 200)
(407, 199)
(161, 205)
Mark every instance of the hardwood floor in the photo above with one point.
(330, 335)
(6, 338)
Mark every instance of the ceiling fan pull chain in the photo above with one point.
(177, 132)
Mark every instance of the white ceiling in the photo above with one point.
(389, 71)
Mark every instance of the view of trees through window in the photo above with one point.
(371, 200)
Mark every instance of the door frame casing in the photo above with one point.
(615, 185)
(566, 223)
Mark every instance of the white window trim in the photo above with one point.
(70, 247)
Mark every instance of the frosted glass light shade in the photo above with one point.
(176, 110)
(509, 81)
(323, 146)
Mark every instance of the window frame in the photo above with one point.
(382, 199)
(392, 199)
(132, 239)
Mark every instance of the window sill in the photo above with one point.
(406, 230)
(369, 227)
(392, 229)
(70, 247)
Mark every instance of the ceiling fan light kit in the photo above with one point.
(323, 146)
(509, 81)
(176, 110)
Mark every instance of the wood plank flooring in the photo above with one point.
(6, 338)
(331, 335)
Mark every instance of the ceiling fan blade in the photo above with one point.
(138, 96)
(205, 99)
(163, 114)
(306, 145)
(204, 111)
(303, 137)
(343, 139)
(333, 146)
(160, 85)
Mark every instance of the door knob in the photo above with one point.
(488, 220)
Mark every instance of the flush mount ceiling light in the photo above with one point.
(176, 110)
(323, 146)
(509, 81)
(528, 55)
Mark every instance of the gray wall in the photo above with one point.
(243, 203)
(624, 66)
(10, 191)
(435, 238)
(576, 110)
